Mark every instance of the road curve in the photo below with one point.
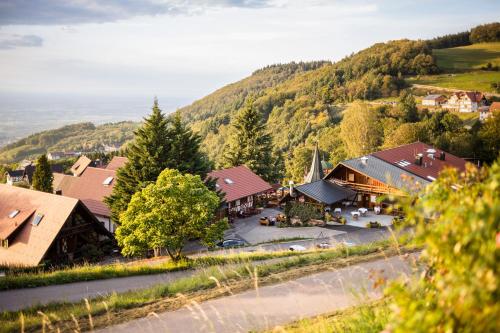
(275, 304)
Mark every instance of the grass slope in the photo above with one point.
(479, 80)
(468, 57)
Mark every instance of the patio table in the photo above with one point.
(355, 215)
(362, 211)
(337, 211)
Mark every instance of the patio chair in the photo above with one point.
(377, 210)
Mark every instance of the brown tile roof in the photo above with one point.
(80, 165)
(495, 106)
(239, 182)
(89, 188)
(117, 162)
(429, 169)
(31, 243)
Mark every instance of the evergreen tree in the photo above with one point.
(250, 144)
(408, 107)
(42, 177)
(160, 143)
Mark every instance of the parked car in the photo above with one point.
(323, 245)
(230, 243)
(297, 248)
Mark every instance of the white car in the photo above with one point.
(323, 245)
(297, 248)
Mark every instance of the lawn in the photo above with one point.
(469, 57)
(479, 80)
(212, 282)
(367, 318)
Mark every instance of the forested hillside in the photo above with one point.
(77, 137)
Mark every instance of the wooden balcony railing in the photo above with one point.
(367, 187)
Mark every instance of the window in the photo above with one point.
(107, 181)
(351, 177)
(4, 243)
(228, 181)
(237, 202)
(38, 218)
(13, 214)
(373, 198)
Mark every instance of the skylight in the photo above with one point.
(13, 214)
(403, 163)
(38, 218)
(228, 181)
(431, 178)
(107, 181)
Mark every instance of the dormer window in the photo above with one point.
(228, 181)
(107, 181)
(13, 214)
(38, 218)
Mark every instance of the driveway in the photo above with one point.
(252, 232)
(276, 304)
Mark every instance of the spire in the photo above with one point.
(316, 171)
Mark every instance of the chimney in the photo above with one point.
(290, 183)
(442, 156)
(364, 160)
(418, 159)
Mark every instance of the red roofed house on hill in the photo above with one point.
(37, 226)
(91, 187)
(241, 187)
(117, 162)
(467, 101)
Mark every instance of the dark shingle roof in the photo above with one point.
(383, 171)
(325, 192)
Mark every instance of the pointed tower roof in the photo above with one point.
(316, 171)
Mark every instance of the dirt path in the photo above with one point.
(275, 304)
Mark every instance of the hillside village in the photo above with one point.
(356, 168)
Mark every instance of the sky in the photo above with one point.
(184, 49)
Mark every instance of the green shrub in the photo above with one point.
(373, 224)
(303, 211)
(457, 220)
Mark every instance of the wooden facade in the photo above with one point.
(368, 189)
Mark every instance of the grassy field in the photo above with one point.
(211, 283)
(367, 318)
(99, 272)
(467, 58)
(479, 80)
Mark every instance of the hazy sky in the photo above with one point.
(188, 48)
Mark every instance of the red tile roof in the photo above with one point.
(430, 168)
(117, 162)
(89, 188)
(239, 182)
(80, 165)
(495, 106)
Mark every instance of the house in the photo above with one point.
(392, 171)
(80, 165)
(487, 111)
(25, 173)
(241, 187)
(37, 226)
(91, 187)
(117, 162)
(433, 100)
(465, 101)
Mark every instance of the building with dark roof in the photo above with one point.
(241, 186)
(37, 226)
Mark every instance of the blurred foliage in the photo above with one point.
(457, 222)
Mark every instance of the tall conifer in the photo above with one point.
(42, 176)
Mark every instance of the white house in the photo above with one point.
(433, 100)
(465, 101)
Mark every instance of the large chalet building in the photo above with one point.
(465, 101)
(361, 181)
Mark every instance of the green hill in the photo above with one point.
(77, 137)
(466, 58)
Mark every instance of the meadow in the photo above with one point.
(469, 57)
(473, 81)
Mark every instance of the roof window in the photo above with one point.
(107, 181)
(403, 163)
(13, 213)
(38, 218)
(431, 178)
(228, 181)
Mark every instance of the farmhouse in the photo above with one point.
(241, 188)
(468, 101)
(433, 100)
(91, 187)
(37, 226)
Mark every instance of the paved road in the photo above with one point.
(16, 299)
(272, 305)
